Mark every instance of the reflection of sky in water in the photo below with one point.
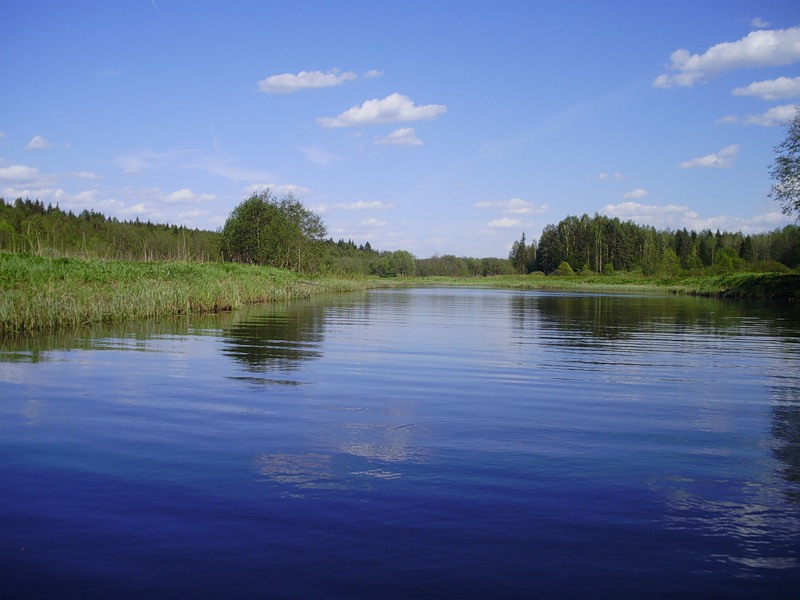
(530, 409)
(317, 471)
(763, 535)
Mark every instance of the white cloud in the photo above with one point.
(777, 115)
(514, 206)
(771, 89)
(34, 192)
(39, 143)
(648, 213)
(18, 172)
(287, 83)
(278, 190)
(719, 160)
(187, 195)
(504, 223)
(374, 223)
(401, 137)
(635, 194)
(759, 23)
(139, 162)
(86, 197)
(48, 194)
(136, 209)
(373, 74)
(374, 205)
(394, 108)
(226, 168)
(85, 175)
(615, 176)
(194, 213)
(319, 156)
(763, 48)
(673, 216)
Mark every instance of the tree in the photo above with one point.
(786, 169)
(402, 264)
(269, 231)
(746, 251)
(519, 256)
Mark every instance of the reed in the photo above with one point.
(42, 293)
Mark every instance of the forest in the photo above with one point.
(601, 244)
(576, 245)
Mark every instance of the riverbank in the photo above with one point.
(767, 286)
(41, 293)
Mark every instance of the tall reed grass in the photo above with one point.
(41, 293)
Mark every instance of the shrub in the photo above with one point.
(564, 269)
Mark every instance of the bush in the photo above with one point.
(770, 266)
(564, 269)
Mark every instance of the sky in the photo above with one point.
(437, 127)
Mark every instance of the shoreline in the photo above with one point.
(44, 293)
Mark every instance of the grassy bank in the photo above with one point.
(740, 285)
(41, 293)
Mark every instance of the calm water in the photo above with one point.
(435, 442)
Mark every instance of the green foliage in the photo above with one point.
(607, 246)
(670, 263)
(726, 261)
(523, 256)
(786, 169)
(30, 226)
(564, 268)
(282, 233)
(462, 266)
(39, 292)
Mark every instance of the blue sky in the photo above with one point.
(435, 127)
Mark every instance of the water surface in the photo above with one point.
(397, 443)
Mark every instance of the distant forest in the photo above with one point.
(577, 245)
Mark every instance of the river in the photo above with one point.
(435, 442)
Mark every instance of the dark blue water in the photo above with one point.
(407, 443)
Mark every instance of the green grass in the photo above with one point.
(782, 286)
(42, 293)
(740, 285)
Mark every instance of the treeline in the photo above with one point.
(584, 244)
(345, 258)
(601, 244)
(30, 226)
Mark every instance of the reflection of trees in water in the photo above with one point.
(609, 317)
(578, 319)
(131, 335)
(697, 328)
(276, 336)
